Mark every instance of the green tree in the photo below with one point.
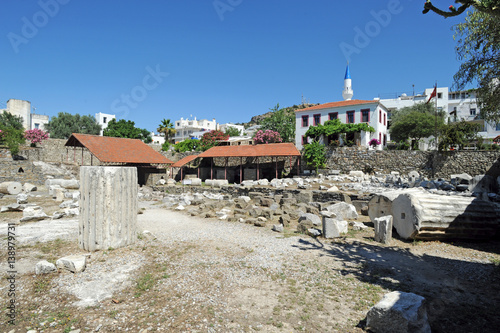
(126, 129)
(429, 108)
(415, 125)
(232, 131)
(11, 132)
(9, 120)
(65, 124)
(315, 155)
(166, 127)
(458, 134)
(281, 121)
(490, 7)
(478, 46)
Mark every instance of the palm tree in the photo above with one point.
(167, 128)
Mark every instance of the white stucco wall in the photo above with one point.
(103, 120)
(377, 112)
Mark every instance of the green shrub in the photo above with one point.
(166, 146)
(187, 145)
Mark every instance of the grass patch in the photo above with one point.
(144, 283)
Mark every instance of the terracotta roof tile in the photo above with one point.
(118, 150)
(184, 161)
(271, 149)
(338, 104)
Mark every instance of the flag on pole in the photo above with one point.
(434, 94)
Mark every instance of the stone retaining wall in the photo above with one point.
(430, 164)
(21, 171)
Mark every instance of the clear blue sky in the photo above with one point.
(149, 60)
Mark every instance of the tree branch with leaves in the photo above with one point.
(491, 7)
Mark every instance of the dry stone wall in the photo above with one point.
(429, 164)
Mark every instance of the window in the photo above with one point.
(317, 119)
(440, 95)
(472, 112)
(385, 119)
(497, 127)
(333, 115)
(380, 137)
(380, 116)
(365, 116)
(385, 139)
(104, 120)
(305, 121)
(304, 140)
(350, 117)
(37, 126)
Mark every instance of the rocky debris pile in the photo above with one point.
(277, 211)
(61, 190)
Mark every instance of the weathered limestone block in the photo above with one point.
(383, 229)
(304, 197)
(64, 183)
(355, 173)
(44, 267)
(11, 188)
(432, 216)
(33, 213)
(333, 228)
(195, 182)
(27, 187)
(108, 207)
(22, 198)
(312, 218)
(381, 204)
(399, 312)
(74, 263)
(343, 210)
(216, 182)
(278, 227)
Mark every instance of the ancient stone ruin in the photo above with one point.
(108, 207)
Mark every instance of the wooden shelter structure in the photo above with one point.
(182, 163)
(110, 151)
(271, 150)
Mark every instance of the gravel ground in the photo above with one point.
(189, 274)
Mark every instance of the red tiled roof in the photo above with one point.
(118, 150)
(184, 161)
(271, 149)
(338, 104)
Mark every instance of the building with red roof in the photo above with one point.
(348, 111)
(110, 151)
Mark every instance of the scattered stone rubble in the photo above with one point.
(278, 208)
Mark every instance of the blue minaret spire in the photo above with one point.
(347, 72)
(347, 93)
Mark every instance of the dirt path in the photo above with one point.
(205, 275)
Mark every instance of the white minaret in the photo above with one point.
(347, 92)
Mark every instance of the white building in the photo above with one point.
(103, 120)
(457, 105)
(224, 127)
(157, 138)
(22, 108)
(184, 128)
(349, 111)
